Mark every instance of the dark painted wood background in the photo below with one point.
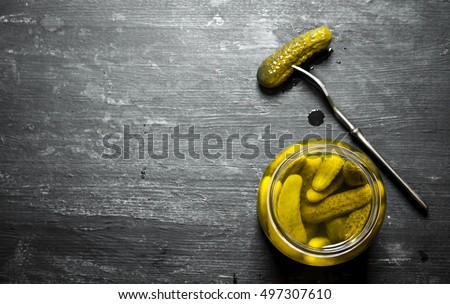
(72, 72)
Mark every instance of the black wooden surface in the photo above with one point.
(72, 72)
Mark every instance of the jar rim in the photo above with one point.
(372, 176)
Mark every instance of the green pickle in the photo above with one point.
(314, 196)
(317, 200)
(355, 222)
(330, 168)
(289, 208)
(276, 68)
(337, 205)
(353, 175)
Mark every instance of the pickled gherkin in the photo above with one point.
(289, 208)
(276, 68)
(355, 222)
(330, 168)
(353, 175)
(314, 196)
(308, 171)
(338, 204)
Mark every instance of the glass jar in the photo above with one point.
(340, 221)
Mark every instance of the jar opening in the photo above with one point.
(372, 223)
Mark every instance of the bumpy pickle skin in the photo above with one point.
(353, 175)
(355, 222)
(314, 196)
(330, 168)
(337, 205)
(276, 68)
(289, 208)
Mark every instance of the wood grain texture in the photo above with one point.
(72, 72)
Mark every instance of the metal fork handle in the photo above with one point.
(356, 133)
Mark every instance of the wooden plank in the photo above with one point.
(74, 72)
